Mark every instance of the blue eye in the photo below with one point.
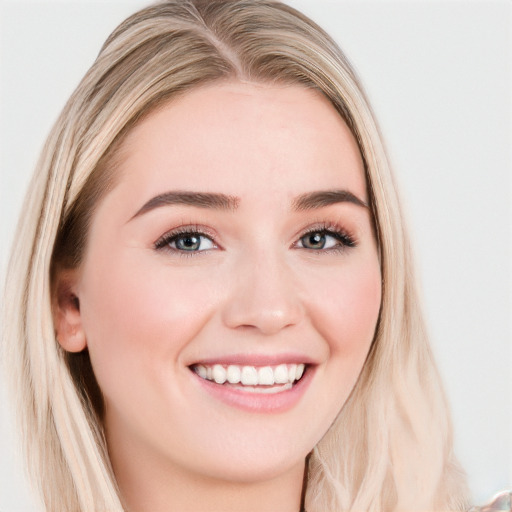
(191, 242)
(186, 242)
(324, 240)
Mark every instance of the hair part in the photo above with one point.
(391, 445)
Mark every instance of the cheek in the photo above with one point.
(358, 304)
(133, 318)
(345, 309)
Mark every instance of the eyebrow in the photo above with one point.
(217, 201)
(313, 200)
(197, 199)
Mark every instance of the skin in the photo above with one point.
(146, 314)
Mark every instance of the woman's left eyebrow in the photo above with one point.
(322, 198)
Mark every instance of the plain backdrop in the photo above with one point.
(438, 74)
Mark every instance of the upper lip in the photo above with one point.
(255, 359)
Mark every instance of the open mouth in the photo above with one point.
(254, 379)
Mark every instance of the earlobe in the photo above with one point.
(67, 319)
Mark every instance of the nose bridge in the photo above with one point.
(264, 295)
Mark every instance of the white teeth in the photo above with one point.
(219, 374)
(201, 371)
(281, 374)
(292, 371)
(268, 390)
(233, 374)
(250, 375)
(266, 376)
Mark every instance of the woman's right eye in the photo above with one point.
(186, 242)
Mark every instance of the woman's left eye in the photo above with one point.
(186, 242)
(324, 240)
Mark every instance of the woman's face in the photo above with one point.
(236, 244)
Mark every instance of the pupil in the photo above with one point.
(189, 243)
(316, 240)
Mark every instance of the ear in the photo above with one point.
(66, 312)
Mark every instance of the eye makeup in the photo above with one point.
(326, 237)
(192, 239)
(187, 240)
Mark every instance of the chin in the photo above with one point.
(256, 469)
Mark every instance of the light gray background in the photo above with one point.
(438, 74)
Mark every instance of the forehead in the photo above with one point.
(242, 137)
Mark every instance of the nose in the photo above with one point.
(263, 296)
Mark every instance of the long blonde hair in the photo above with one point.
(390, 448)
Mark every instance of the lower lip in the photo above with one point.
(258, 402)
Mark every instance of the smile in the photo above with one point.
(265, 379)
(257, 384)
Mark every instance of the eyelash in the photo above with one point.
(163, 243)
(344, 238)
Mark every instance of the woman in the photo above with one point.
(236, 95)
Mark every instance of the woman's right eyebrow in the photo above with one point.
(198, 199)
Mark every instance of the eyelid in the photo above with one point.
(345, 237)
(162, 243)
(342, 234)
